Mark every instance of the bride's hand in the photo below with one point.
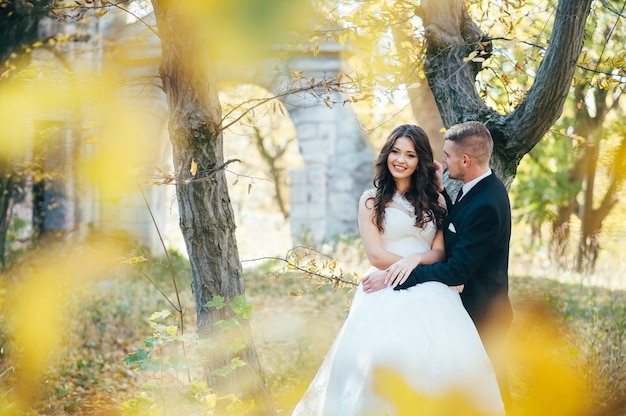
(398, 272)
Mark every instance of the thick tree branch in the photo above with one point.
(455, 51)
(545, 99)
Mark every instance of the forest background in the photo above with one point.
(62, 349)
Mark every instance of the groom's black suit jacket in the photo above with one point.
(477, 233)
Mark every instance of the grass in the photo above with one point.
(574, 332)
(590, 323)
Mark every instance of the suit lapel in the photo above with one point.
(467, 198)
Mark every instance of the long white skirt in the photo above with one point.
(423, 335)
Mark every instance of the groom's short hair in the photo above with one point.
(474, 138)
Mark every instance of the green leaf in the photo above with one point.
(222, 372)
(227, 323)
(241, 308)
(217, 302)
(137, 357)
(236, 363)
(199, 387)
(153, 342)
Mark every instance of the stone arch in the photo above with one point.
(336, 153)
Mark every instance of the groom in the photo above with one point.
(477, 232)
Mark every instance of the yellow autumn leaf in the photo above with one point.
(194, 168)
(159, 316)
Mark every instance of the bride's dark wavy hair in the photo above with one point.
(422, 192)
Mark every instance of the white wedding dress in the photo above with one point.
(422, 334)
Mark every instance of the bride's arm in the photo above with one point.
(370, 236)
(398, 272)
(401, 269)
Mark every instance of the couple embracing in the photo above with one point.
(433, 308)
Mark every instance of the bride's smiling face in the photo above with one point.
(402, 159)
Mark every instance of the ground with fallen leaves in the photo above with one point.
(294, 321)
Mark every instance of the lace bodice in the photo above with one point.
(402, 237)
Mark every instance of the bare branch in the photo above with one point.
(210, 172)
(139, 19)
(311, 269)
(620, 13)
(179, 309)
(328, 85)
(96, 6)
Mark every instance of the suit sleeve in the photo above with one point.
(475, 239)
(447, 198)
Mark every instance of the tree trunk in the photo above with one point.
(206, 216)
(592, 218)
(586, 208)
(559, 238)
(583, 172)
(6, 204)
(427, 116)
(18, 28)
(451, 36)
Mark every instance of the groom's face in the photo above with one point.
(453, 158)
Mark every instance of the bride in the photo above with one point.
(423, 334)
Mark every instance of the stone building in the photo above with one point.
(337, 156)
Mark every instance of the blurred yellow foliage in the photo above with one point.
(243, 29)
(542, 363)
(409, 403)
(120, 135)
(542, 374)
(37, 306)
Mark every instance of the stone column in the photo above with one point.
(338, 158)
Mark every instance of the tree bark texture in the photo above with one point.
(6, 203)
(206, 216)
(451, 36)
(18, 29)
